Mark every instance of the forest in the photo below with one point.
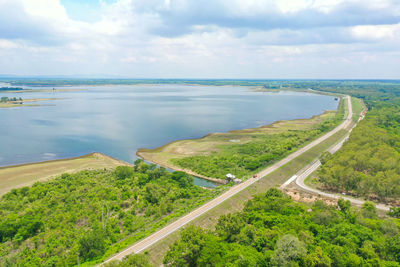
(368, 165)
(88, 215)
(273, 230)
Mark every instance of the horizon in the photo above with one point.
(99, 77)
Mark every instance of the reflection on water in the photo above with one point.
(117, 120)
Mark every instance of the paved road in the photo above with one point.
(300, 182)
(303, 174)
(174, 226)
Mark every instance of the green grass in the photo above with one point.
(357, 108)
(236, 202)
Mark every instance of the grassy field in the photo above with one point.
(236, 203)
(358, 107)
(26, 174)
(217, 141)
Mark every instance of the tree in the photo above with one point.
(368, 210)
(394, 212)
(123, 172)
(92, 245)
(229, 227)
(187, 250)
(289, 250)
(344, 205)
(182, 178)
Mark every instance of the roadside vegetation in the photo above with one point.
(273, 230)
(85, 216)
(368, 165)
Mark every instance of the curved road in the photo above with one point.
(302, 175)
(300, 182)
(174, 226)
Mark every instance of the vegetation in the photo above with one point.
(7, 99)
(11, 89)
(261, 149)
(82, 216)
(368, 165)
(26, 174)
(273, 230)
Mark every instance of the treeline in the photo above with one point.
(81, 217)
(11, 88)
(272, 230)
(368, 165)
(7, 99)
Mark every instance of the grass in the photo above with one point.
(217, 141)
(26, 174)
(236, 203)
(358, 107)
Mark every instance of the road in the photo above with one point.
(300, 182)
(174, 226)
(302, 175)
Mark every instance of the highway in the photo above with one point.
(174, 226)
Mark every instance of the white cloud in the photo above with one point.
(181, 38)
(377, 32)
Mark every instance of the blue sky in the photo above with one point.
(349, 39)
(87, 10)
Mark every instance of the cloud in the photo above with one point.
(178, 17)
(182, 38)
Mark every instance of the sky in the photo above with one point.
(239, 39)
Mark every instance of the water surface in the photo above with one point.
(117, 120)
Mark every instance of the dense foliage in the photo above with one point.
(272, 230)
(369, 163)
(243, 159)
(79, 217)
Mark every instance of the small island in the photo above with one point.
(11, 102)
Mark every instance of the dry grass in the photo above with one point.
(213, 142)
(26, 174)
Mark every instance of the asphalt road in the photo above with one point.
(174, 226)
(302, 175)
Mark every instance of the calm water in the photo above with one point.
(117, 120)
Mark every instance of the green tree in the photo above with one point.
(289, 251)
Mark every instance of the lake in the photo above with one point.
(117, 120)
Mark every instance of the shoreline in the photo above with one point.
(20, 175)
(26, 102)
(142, 151)
(99, 154)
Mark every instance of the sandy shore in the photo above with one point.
(26, 174)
